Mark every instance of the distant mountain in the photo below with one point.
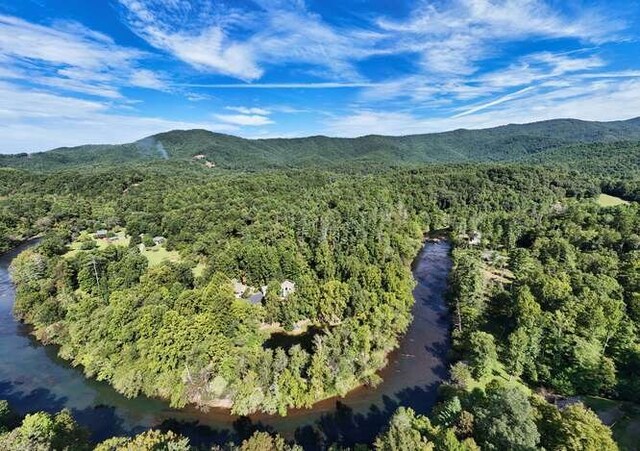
(505, 143)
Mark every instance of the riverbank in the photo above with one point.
(32, 377)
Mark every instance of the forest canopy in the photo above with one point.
(547, 300)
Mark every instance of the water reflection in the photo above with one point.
(33, 378)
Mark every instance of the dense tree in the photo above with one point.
(560, 309)
(482, 354)
(405, 432)
(583, 430)
(7, 417)
(504, 419)
(261, 441)
(152, 440)
(44, 432)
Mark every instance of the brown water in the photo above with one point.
(33, 378)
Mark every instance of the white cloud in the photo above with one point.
(251, 120)
(193, 34)
(449, 42)
(78, 47)
(206, 35)
(144, 78)
(320, 85)
(35, 120)
(495, 102)
(452, 37)
(431, 90)
(249, 110)
(540, 66)
(67, 56)
(599, 100)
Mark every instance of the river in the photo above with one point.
(33, 378)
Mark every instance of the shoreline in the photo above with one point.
(413, 364)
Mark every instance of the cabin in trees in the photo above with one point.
(475, 238)
(239, 288)
(286, 288)
(472, 239)
(256, 296)
(101, 234)
(159, 240)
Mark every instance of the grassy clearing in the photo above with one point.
(158, 254)
(119, 240)
(604, 200)
(155, 255)
(199, 269)
(302, 327)
(600, 404)
(500, 374)
(622, 417)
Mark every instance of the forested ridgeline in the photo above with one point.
(215, 151)
(616, 164)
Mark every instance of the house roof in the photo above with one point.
(256, 298)
(238, 287)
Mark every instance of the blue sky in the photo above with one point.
(111, 71)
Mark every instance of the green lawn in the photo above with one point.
(622, 417)
(199, 269)
(604, 200)
(158, 254)
(122, 240)
(155, 254)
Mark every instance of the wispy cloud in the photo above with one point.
(538, 67)
(452, 37)
(34, 120)
(194, 33)
(249, 110)
(321, 85)
(250, 120)
(495, 102)
(438, 65)
(71, 57)
(239, 42)
(599, 100)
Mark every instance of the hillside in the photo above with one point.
(505, 143)
(601, 159)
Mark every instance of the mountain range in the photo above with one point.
(509, 143)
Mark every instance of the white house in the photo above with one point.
(475, 239)
(159, 240)
(286, 288)
(238, 288)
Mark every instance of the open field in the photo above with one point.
(120, 240)
(198, 270)
(622, 417)
(155, 255)
(605, 200)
